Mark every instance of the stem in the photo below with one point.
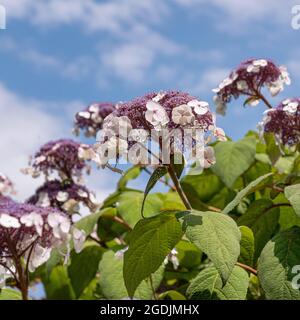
(248, 268)
(178, 187)
(101, 243)
(122, 222)
(23, 282)
(267, 103)
(276, 205)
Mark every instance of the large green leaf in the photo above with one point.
(217, 235)
(150, 242)
(88, 223)
(233, 159)
(130, 206)
(292, 193)
(262, 218)
(58, 285)
(208, 285)
(243, 193)
(276, 266)
(112, 283)
(83, 267)
(247, 246)
(10, 294)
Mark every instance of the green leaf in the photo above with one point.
(276, 266)
(273, 150)
(233, 159)
(89, 293)
(217, 235)
(112, 283)
(88, 223)
(10, 294)
(247, 246)
(151, 241)
(172, 201)
(208, 285)
(288, 218)
(200, 189)
(249, 189)
(130, 174)
(156, 175)
(112, 199)
(262, 218)
(130, 206)
(189, 255)
(58, 285)
(292, 193)
(172, 295)
(83, 267)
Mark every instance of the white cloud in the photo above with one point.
(24, 126)
(235, 15)
(115, 16)
(129, 61)
(77, 68)
(207, 81)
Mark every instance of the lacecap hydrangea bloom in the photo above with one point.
(6, 186)
(248, 79)
(24, 226)
(65, 195)
(28, 234)
(91, 119)
(153, 117)
(61, 157)
(63, 165)
(284, 122)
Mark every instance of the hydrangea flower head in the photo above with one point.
(157, 110)
(284, 122)
(65, 195)
(150, 117)
(60, 156)
(91, 119)
(248, 79)
(24, 228)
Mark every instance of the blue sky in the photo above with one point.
(59, 55)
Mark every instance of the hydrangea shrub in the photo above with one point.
(227, 226)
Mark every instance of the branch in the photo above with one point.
(248, 268)
(178, 187)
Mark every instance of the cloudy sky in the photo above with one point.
(59, 55)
